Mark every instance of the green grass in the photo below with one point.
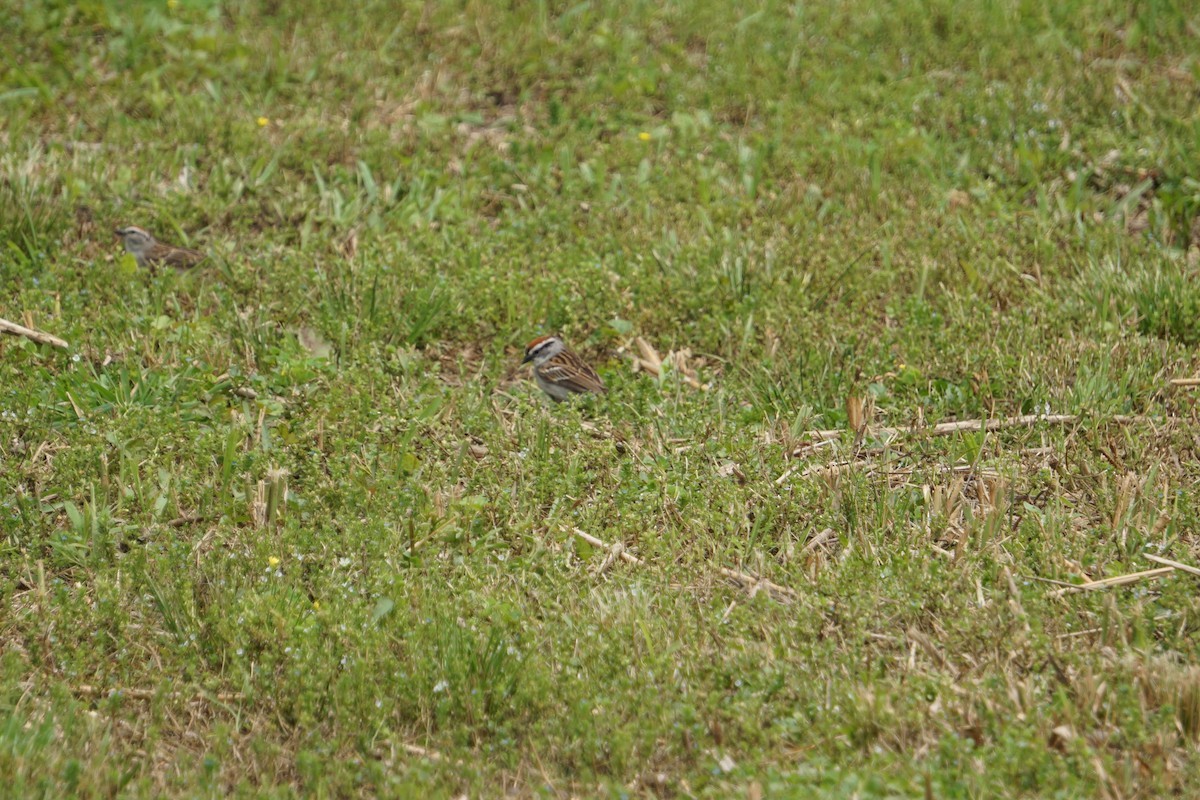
(296, 524)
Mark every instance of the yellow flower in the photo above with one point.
(644, 136)
(273, 561)
(316, 605)
(172, 5)
(263, 122)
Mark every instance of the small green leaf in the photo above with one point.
(74, 515)
(622, 326)
(474, 502)
(382, 609)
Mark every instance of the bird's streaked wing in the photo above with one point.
(178, 257)
(572, 373)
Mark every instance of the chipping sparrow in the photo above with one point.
(149, 251)
(558, 371)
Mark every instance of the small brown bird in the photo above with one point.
(559, 372)
(150, 252)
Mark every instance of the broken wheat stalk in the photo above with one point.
(752, 584)
(417, 750)
(137, 693)
(30, 333)
(627, 557)
(743, 580)
(1168, 562)
(1118, 580)
(650, 358)
(967, 426)
(818, 540)
(614, 553)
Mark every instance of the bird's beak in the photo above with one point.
(119, 231)
(528, 357)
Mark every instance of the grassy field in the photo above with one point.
(296, 523)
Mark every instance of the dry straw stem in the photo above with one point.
(929, 646)
(650, 360)
(1183, 382)
(1118, 580)
(135, 693)
(966, 426)
(1014, 599)
(258, 505)
(629, 558)
(1168, 562)
(417, 750)
(748, 582)
(614, 553)
(787, 474)
(752, 584)
(818, 540)
(30, 333)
